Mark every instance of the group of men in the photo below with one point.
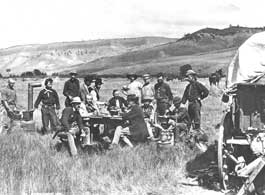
(143, 105)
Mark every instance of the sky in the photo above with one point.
(45, 21)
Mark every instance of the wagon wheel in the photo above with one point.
(222, 160)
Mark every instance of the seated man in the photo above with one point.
(136, 130)
(117, 103)
(179, 116)
(149, 115)
(72, 124)
(91, 105)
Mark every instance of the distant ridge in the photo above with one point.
(57, 57)
(168, 57)
(206, 50)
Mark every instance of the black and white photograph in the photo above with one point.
(132, 97)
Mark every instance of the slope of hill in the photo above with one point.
(203, 63)
(56, 57)
(179, 52)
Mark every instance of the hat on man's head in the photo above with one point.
(99, 81)
(10, 80)
(176, 100)
(147, 99)
(132, 97)
(146, 76)
(160, 75)
(89, 78)
(73, 72)
(76, 100)
(89, 97)
(130, 75)
(190, 72)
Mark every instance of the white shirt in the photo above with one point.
(134, 88)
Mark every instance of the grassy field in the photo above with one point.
(30, 163)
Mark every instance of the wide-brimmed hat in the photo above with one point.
(89, 97)
(73, 72)
(176, 100)
(89, 78)
(76, 100)
(99, 81)
(10, 80)
(132, 97)
(130, 75)
(160, 75)
(190, 72)
(146, 76)
(147, 99)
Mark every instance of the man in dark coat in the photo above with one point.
(98, 84)
(117, 102)
(136, 130)
(71, 88)
(194, 93)
(163, 95)
(50, 101)
(72, 124)
(179, 118)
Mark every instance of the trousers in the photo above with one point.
(194, 110)
(71, 136)
(121, 132)
(162, 107)
(49, 117)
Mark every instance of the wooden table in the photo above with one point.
(109, 122)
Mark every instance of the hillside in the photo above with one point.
(205, 49)
(203, 63)
(56, 57)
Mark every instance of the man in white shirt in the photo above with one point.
(134, 87)
(148, 89)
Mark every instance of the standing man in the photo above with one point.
(71, 88)
(9, 97)
(9, 102)
(134, 87)
(50, 101)
(163, 95)
(148, 90)
(85, 88)
(194, 93)
(97, 87)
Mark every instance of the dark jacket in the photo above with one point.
(194, 91)
(163, 92)
(180, 115)
(72, 88)
(137, 125)
(112, 102)
(48, 97)
(69, 116)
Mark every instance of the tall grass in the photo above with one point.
(30, 163)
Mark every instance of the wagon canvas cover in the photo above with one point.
(248, 65)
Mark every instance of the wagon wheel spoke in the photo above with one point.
(222, 160)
